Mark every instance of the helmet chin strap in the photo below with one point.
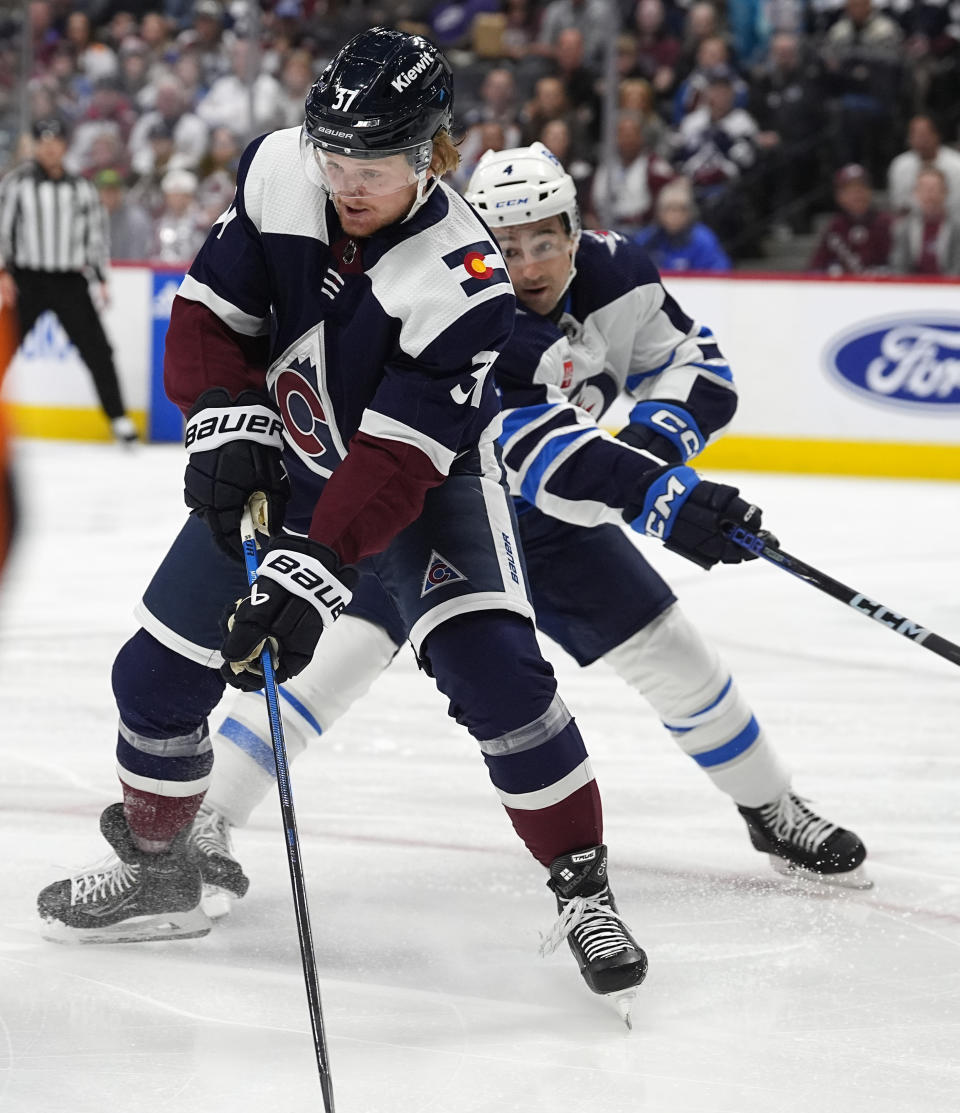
(573, 268)
(425, 186)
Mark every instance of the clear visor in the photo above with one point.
(524, 244)
(349, 176)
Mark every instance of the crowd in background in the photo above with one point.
(738, 123)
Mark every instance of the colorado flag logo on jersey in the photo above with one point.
(479, 264)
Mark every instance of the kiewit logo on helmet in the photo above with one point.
(403, 80)
(911, 363)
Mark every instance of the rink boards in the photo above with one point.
(844, 376)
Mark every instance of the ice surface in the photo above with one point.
(761, 995)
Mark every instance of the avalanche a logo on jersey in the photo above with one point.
(439, 572)
(910, 362)
(480, 265)
(297, 382)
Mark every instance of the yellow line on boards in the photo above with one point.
(73, 423)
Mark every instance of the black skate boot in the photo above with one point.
(209, 847)
(130, 897)
(610, 960)
(800, 842)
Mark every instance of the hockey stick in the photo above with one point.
(255, 510)
(759, 543)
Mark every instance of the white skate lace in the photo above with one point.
(109, 878)
(595, 925)
(211, 833)
(792, 821)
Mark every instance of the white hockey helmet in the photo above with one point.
(521, 185)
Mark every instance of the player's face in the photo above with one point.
(538, 258)
(369, 194)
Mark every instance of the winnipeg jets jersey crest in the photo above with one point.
(619, 330)
(393, 335)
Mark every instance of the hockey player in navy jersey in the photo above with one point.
(332, 347)
(594, 321)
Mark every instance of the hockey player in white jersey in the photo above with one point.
(331, 348)
(593, 321)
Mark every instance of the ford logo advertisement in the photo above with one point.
(912, 363)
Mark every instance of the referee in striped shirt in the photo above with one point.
(53, 239)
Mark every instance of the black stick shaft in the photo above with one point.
(292, 842)
(862, 604)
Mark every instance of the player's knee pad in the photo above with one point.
(489, 666)
(159, 693)
(670, 664)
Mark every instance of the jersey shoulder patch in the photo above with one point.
(440, 274)
(275, 191)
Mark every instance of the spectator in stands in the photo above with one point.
(787, 103)
(228, 103)
(677, 241)
(131, 230)
(658, 48)
(157, 33)
(180, 229)
(925, 149)
(636, 95)
(550, 102)
(134, 73)
(146, 191)
(497, 105)
(713, 55)
(703, 22)
(206, 38)
(487, 136)
(218, 173)
(189, 73)
(927, 239)
(94, 59)
(857, 239)
(627, 190)
(715, 147)
(296, 77)
(590, 17)
(520, 31)
(189, 133)
(579, 81)
(557, 139)
(866, 79)
(108, 112)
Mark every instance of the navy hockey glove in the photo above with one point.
(235, 449)
(664, 429)
(690, 516)
(300, 589)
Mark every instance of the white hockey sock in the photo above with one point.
(684, 680)
(349, 657)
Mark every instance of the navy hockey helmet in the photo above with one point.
(384, 92)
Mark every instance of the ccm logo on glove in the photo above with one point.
(307, 577)
(212, 428)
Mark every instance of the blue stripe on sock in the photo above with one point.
(301, 709)
(712, 704)
(251, 744)
(729, 750)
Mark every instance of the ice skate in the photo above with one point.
(611, 962)
(130, 897)
(210, 848)
(802, 843)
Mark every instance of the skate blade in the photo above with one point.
(623, 1003)
(857, 878)
(192, 924)
(216, 902)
